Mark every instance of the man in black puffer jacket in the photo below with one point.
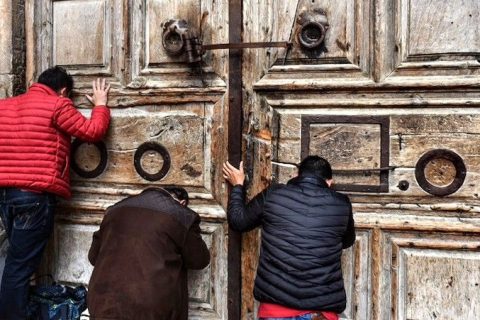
(305, 226)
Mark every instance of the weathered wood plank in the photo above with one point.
(469, 189)
(259, 176)
(356, 263)
(407, 149)
(6, 89)
(420, 262)
(262, 21)
(426, 20)
(457, 274)
(6, 37)
(408, 101)
(181, 133)
(90, 25)
(434, 123)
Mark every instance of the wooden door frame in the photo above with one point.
(235, 127)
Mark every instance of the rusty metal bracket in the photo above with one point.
(245, 45)
(178, 38)
(343, 171)
(383, 169)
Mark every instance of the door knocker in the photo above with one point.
(313, 28)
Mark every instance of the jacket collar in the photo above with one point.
(308, 181)
(41, 88)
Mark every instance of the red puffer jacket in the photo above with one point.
(35, 133)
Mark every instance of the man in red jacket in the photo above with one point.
(35, 133)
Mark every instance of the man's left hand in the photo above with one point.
(233, 175)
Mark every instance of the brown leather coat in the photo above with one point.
(141, 255)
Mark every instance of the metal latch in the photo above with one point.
(178, 39)
(383, 169)
(342, 171)
(245, 45)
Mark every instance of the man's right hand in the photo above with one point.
(100, 92)
(233, 175)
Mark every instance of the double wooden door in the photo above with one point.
(387, 90)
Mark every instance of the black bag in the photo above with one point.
(56, 302)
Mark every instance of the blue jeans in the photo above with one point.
(28, 221)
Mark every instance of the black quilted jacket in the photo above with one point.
(305, 226)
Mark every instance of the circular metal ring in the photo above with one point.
(305, 38)
(173, 42)
(455, 159)
(100, 145)
(152, 146)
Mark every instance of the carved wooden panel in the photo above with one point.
(356, 147)
(88, 28)
(440, 28)
(353, 147)
(345, 37)
(152, 66)
(414, 63)
(207, 288)
(356, 262)
(184, 135)
(431, 276)
(344, 53)
(431, 39)
(414, 135)
(86, 37)
(351, 144)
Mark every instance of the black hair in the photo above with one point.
(317, 166)
(178, 193)
(56, 78)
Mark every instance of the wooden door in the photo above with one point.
(387, 90)
(390, 96)
(169, 122)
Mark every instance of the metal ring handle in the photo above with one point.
(170, 47)
(308, 42)
(460, 172)
(152, 146)
(100, 145)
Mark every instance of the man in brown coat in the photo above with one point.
(141, 255)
